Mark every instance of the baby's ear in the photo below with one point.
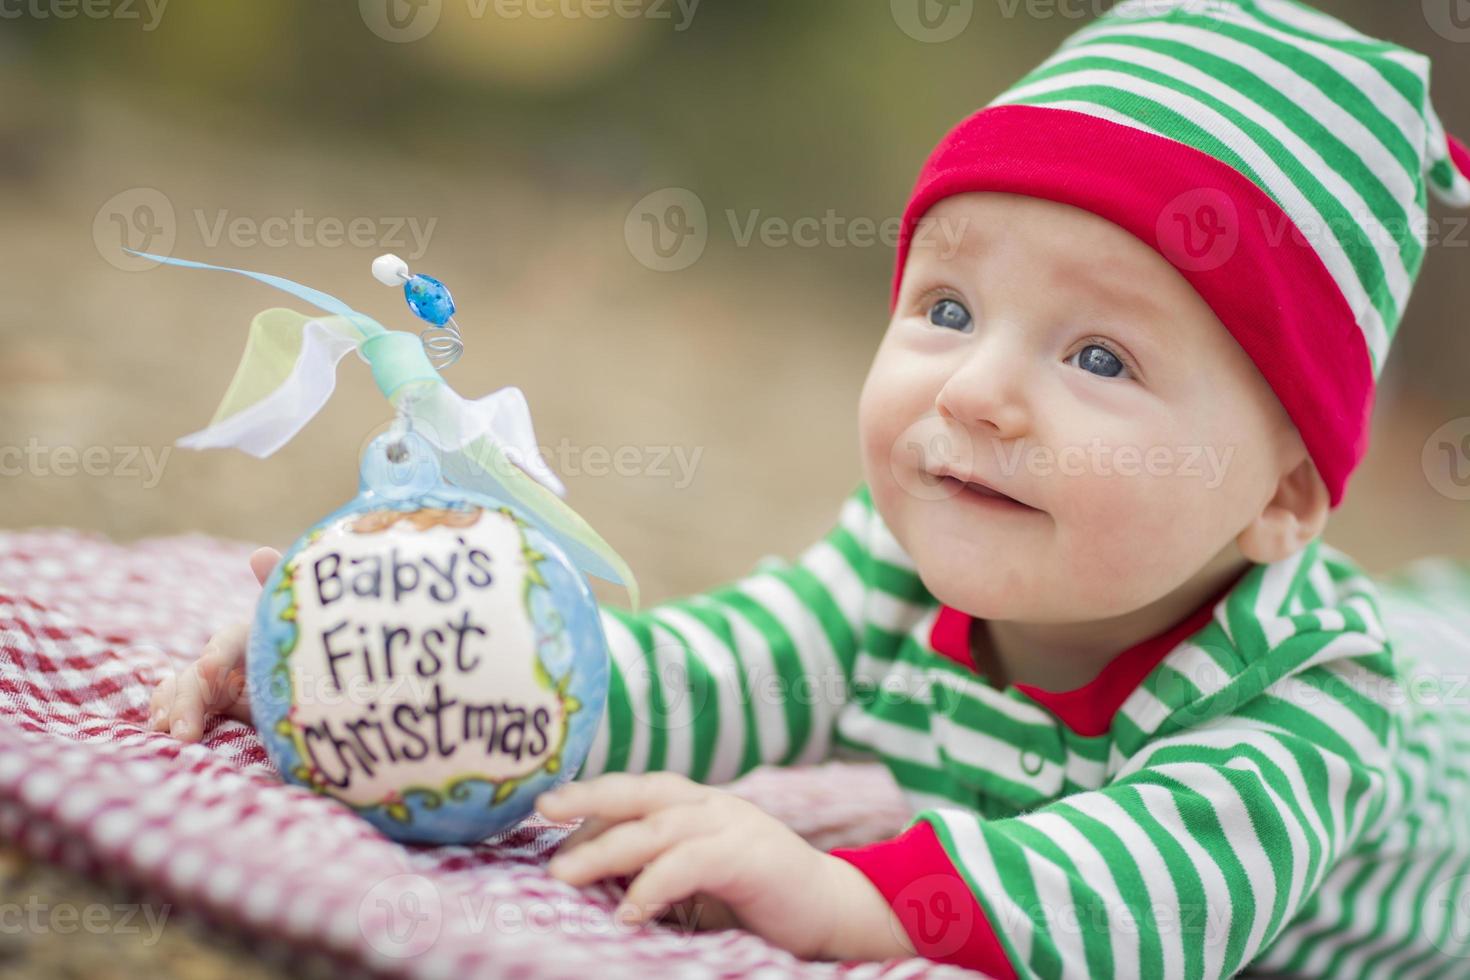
(1295, 515)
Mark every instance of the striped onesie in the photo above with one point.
(1274, 782)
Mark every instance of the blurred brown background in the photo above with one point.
(512, 155)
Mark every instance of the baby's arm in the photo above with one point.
(714, 684)
(1190, 863)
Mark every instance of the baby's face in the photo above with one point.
(1068, 366)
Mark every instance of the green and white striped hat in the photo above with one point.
(1279, 159)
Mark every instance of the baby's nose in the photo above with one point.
(986, 398)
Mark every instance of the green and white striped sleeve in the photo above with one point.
(1188, 864)
(714, 684)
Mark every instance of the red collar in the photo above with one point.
(1089, 709)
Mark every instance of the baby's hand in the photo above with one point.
(213, 684)
(706, 847)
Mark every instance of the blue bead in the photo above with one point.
(429, 299)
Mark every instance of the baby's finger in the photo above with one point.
(620, 796)
(239, 708)
(214, 684)
(222, 679)
(162, 702)
(225, 649)
(262, 561)
(676, 874)
(631, 845)
(186, 720)
(591, 828)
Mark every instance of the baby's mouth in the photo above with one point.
(983, 494)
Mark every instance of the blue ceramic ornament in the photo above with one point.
(430, 653)
(426, 656)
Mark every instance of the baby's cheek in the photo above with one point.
(1130, 539)
(874, 424)
(893, 451)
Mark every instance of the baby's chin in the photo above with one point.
(1038, 589)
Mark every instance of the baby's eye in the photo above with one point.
(949, 313)
(1097, 359)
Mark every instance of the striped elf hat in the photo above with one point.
(1279, 159)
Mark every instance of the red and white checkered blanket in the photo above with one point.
(86, 628)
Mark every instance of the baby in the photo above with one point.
(1150, 725)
